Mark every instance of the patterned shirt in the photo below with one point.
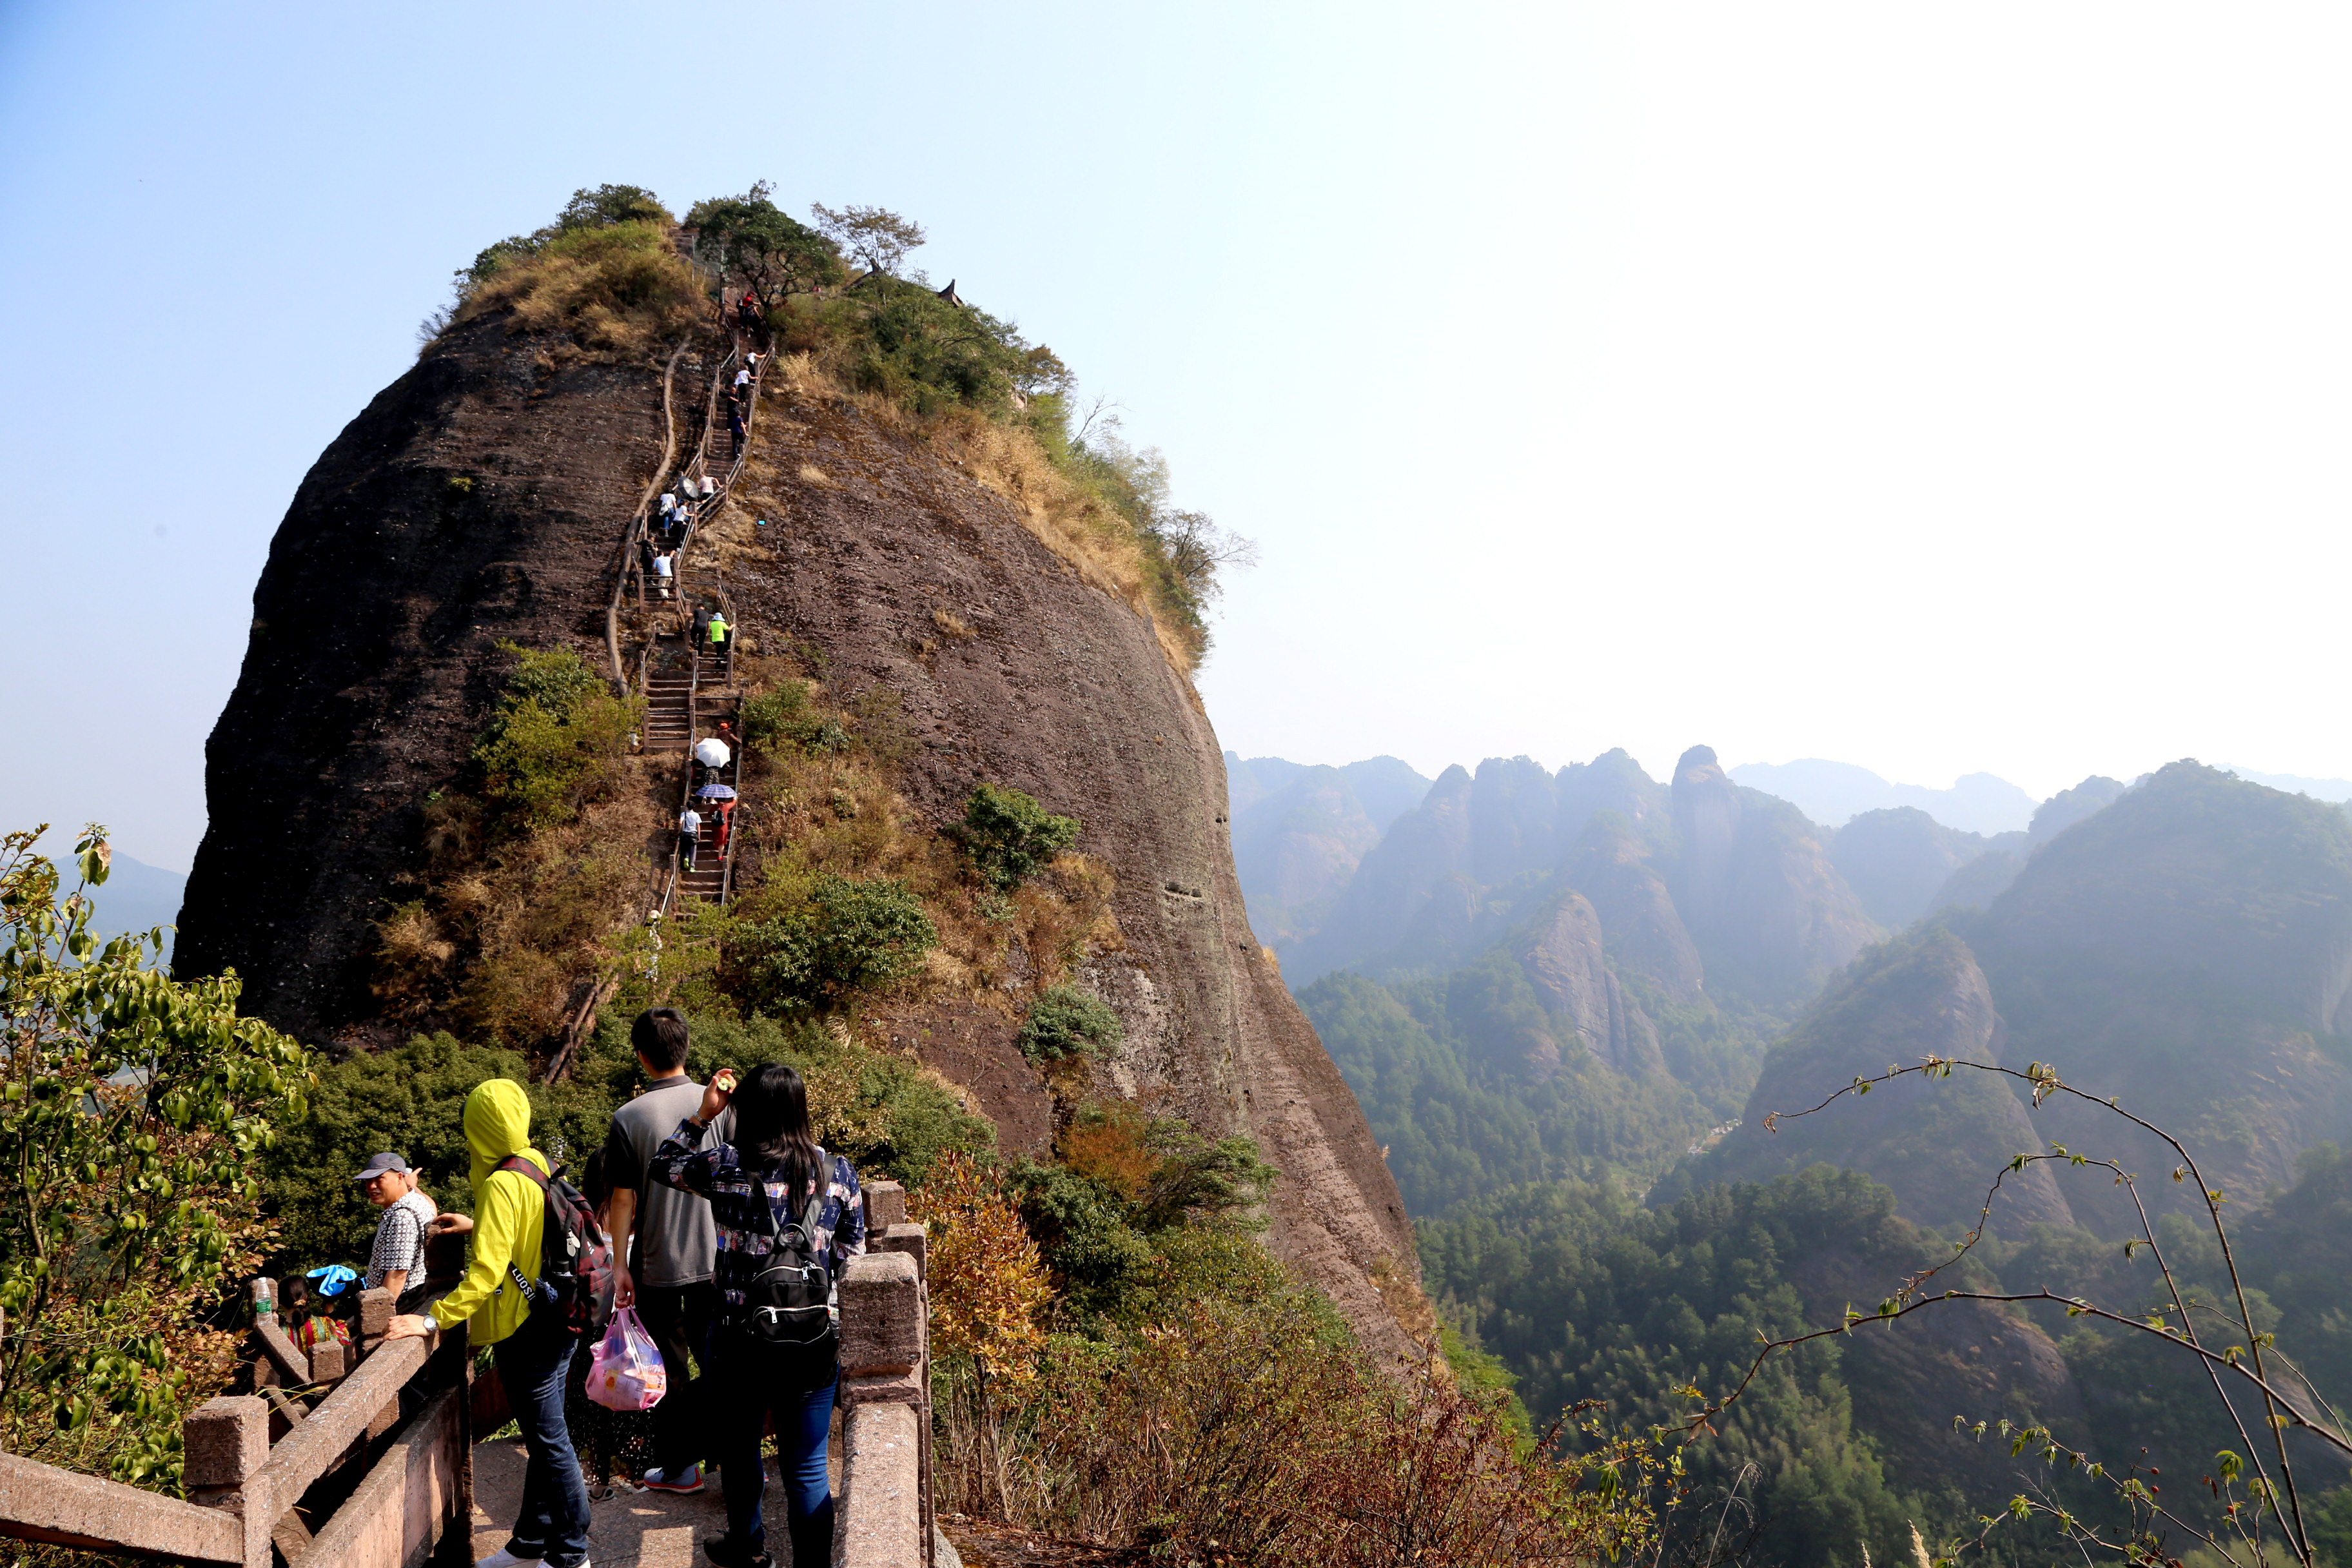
(748, 1204)
(400, 1240)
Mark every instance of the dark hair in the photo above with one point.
(659, 1036)
(772, 1122)
(596, 1178)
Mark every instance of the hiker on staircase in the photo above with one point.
(689, 836)
(719, 632)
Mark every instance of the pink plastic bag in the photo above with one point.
(625, 1370)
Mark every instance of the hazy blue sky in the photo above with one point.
(1936, 391)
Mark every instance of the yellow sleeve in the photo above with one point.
(496, 1228)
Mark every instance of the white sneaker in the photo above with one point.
(502, 1558)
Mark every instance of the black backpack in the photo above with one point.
(787, 1305)
(575, 1261)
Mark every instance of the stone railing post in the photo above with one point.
(886, 1205)
(886, 1395)
(227, 1443)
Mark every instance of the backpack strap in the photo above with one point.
(522, 1166)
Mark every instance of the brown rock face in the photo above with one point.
(1063, 691)
(372, 670)
(479, 497)
(1563, 962)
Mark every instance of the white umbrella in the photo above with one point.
(711, 751)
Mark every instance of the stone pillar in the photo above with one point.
(226, 1442)
(886, 1205)
(886, 1368)
(375, 1318)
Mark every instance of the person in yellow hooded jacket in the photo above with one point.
(533, 1354)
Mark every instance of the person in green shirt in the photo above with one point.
(533, 1353)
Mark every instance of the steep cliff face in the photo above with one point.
(373, 659)
(1611, 868)
(1755, 887)
(874, 543)
(478, 498)
(1563, 959)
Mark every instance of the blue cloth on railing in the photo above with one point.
(334, 1278)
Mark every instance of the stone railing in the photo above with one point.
(885, 1508)
(317, 1465)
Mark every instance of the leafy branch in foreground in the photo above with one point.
(2269, 1492)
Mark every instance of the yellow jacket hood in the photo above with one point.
(509, 1218)
(498, 1126)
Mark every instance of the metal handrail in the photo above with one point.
(636, 531)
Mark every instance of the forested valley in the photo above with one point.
(1570, 1003)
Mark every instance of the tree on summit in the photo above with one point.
(762, 247)
(876, 236)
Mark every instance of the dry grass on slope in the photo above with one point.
(618, 293)
(1078, 526)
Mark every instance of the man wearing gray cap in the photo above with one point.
(397, 1259)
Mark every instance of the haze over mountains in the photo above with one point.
(1569, 1000)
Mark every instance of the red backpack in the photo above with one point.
(575, 1261)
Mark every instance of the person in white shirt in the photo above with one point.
(690, 833)
(664, 570)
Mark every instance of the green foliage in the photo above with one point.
(2330, 1519)
(832, 936)
(1064, 1022)
(605, 206)
(876, 236)
(750, 239)
(412, 1101)
(131, 1110)
(608, 206)
(1584, 1296)
(890, 1117)
(1009, 838)
(783, 716)
(1143, 1213)
(553, 741)
(1456, 1078)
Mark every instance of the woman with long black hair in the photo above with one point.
(790, 1218)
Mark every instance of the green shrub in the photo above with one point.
(783, 716)
(1066, 1022)
(410, 1100)
(1009, 838)
(756, 244)
(132, 1110)
(557, 736)
(839, 935)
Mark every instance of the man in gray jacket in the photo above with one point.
(669, 1279)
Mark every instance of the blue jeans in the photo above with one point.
(552, 1522)
(742, 1396)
